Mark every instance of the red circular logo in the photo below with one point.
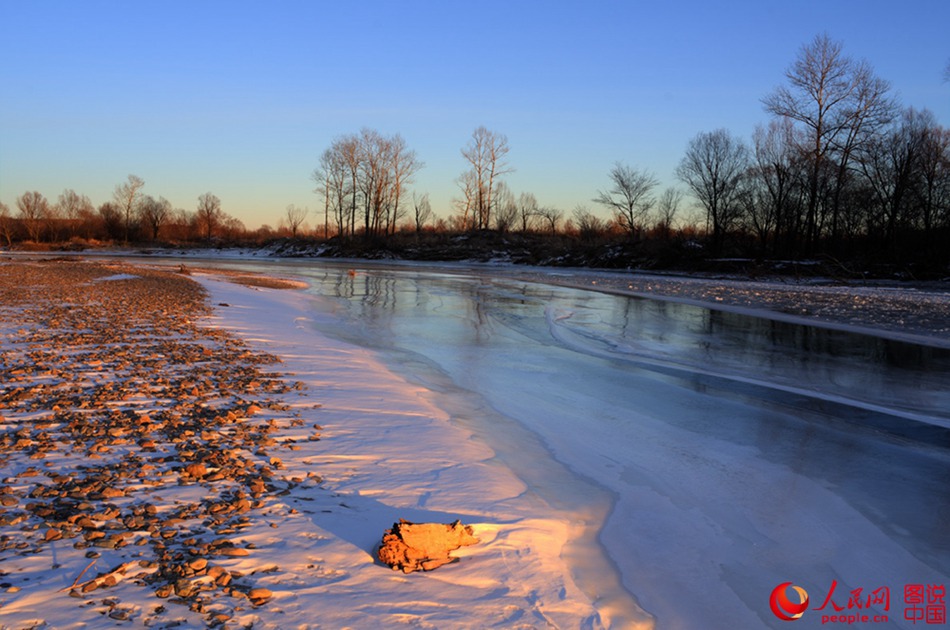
(783, 607)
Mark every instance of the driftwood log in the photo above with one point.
(423, 546)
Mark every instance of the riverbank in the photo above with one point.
(195, 453)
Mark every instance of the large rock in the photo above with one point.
(423, 546)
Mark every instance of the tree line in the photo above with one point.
(131, 216)
(841, 170)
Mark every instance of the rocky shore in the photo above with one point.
(137, 446)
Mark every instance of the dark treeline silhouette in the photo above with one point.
(843, 169)
(841, 173)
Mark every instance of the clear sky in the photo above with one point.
(240, 98)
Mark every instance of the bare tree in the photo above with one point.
(338, 181)
(934, 187)
(891, 166)
(75, 209)
(6, 224)
(111, 216)
(332, 179)
(777, 172)
(126, 196)
(379, 183)
(295, 218)
(369, 171)
(387, 166)
(485, 154)
(588, 224)
(712, 168)
(52, 222)
(551, 216)
(629, 196)
(422, 210)
(33, 208)
(527, 210)
(180, 225)
(506, 212)
(836, 101)
(351, 153)
(667, 207)
(154, 213)
(403, 165)
(68, 203)
(374, 179)
(232, 227)
(756, 211)
(209, 215)
(467, 216)
(324, 187)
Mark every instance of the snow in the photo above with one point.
(116, 276)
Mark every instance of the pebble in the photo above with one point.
(259, 595)
(137, 397)
(197, 564)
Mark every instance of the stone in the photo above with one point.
(197, 470)
(259, 595)
(163, 591)
(423, 546)
(197, 564)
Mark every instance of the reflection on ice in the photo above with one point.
(870, 373)
(740, 453)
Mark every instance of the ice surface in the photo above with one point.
(740, 452)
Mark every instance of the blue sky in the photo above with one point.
(240, 98)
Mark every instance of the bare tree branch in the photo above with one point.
(712, 168)
(209, 215)
(295, 218)
(629, 197)
(485, 153)
(126, 197)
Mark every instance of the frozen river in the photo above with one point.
(706, 456)
(733, 453)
